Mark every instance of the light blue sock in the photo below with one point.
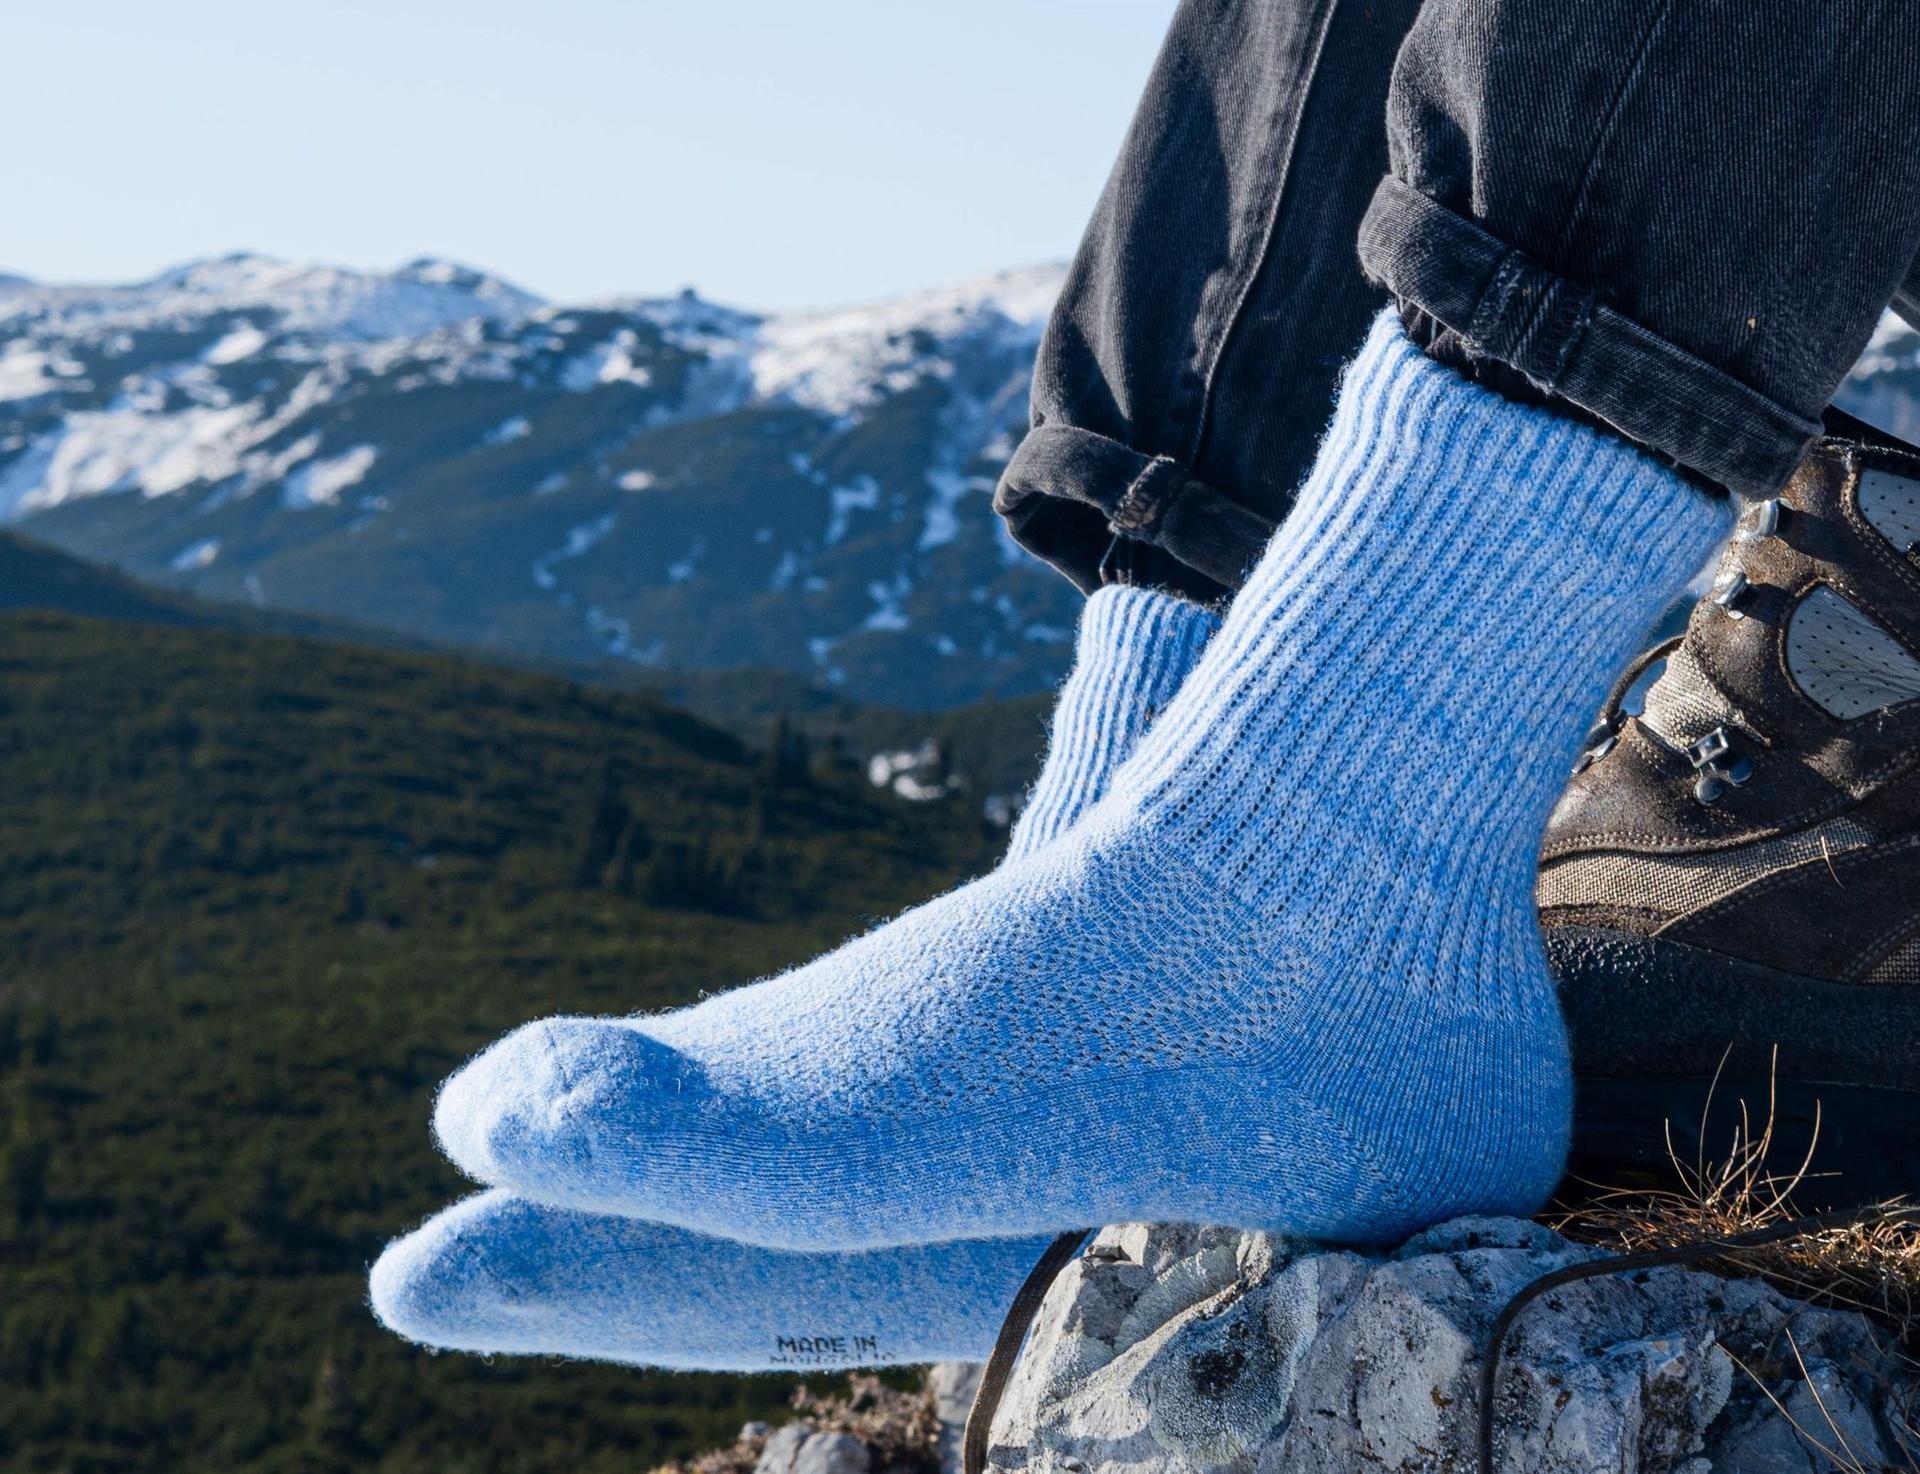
(502, 1275)
(498, 1273)
(1286, 974)
(1133, 650)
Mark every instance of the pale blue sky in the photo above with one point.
(773, 155)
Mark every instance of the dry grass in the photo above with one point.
(1870, 1263)
(738, 1458)
(900, 1429)
(1830, 1441)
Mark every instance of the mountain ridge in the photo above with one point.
(664, 482)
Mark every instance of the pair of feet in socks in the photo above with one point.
(1282, 971)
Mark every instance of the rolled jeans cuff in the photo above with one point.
(1571, 346)
(1150, 499)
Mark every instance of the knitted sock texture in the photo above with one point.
(1286, 974)
(1133, 650)
(503, 1276)
(500, 1274)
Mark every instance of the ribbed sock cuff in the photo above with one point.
(1430, 631)
(1133, 650)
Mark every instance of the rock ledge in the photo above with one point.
(1167, 1349)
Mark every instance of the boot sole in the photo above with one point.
(1671, 1043)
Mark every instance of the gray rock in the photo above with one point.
(782, 1449)
(1169, 1349)
(952, 1385)
(798, 1449)
(833, 1453)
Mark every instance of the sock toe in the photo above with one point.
(435, 1285)
(524, 1112)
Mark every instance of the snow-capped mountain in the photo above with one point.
(667, 482)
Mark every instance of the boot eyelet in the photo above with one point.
(1710, 748)
(1717, 767)
(1767, 518)
(1730, 591)
(1596, 752)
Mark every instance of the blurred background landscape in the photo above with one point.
(389, 655)
(269, 870)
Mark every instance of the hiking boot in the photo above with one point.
(1737, 868)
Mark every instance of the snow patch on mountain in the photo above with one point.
(91, 454)
(137, 444)
(842, 362)
(949, 488)
(243, 342)
(27, 372)
(862, 494)
(196, 555)
(580, 540)
(418, 298)
(319, 483)
(784, 572)
(686, 567)
(889, 614)
(606, 363)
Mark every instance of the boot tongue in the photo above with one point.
(1683, 704)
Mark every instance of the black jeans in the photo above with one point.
(1677, 218)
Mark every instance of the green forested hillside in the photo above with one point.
(257, 896)
(34, 575)
(991, 746)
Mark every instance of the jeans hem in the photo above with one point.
(1064, 473)
(1512, 310)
